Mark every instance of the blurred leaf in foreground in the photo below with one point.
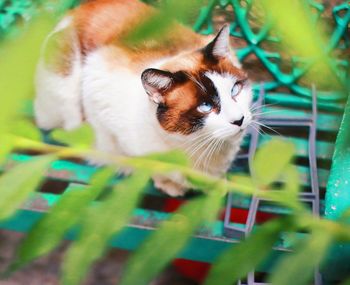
(6, 147)
(100, 224)
(242, 258)
(346, 282)
(80, 137)
(270, 161)
(26, 129)
(298, 267)
(159, 162)
(175, 157)
(302, 37)
(46, 234)
(160, 21)
(17, 183)
(163, 244)
(18, 60)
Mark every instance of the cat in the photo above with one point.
(181, 91)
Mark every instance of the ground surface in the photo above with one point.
(45, 271)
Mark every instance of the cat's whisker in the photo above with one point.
(209, 155)
(267, 112)
(267, 127)
(257, 107)
(207, 148)
(215, 148)
(257, 129)
(192, 141)
(200, 138)
(189, 143)
(201, 144)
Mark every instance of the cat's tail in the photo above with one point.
(58, 80)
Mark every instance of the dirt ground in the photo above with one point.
(45, 271)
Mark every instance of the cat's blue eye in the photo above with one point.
(236, 89)
(205, 107)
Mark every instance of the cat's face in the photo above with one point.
(202, 91)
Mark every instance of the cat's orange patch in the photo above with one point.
(102, 23)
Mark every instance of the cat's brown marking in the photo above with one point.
(180, 105)
(179, 112)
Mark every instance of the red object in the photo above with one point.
(196, 270)
(193, 270)
(172, 204)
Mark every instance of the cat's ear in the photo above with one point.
(155, 82)
(220, 45)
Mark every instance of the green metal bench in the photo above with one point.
(284, 95)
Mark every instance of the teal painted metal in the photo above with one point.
(242, 28)
(12, 11)
(206, 245)
(338, 198)
(338, 187)
(130, 238)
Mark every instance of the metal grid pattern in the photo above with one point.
(244, 26)
(310, 197)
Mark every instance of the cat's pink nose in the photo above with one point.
(238, 122)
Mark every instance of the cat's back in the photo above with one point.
(100, 22)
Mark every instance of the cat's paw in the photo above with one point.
(169, 187)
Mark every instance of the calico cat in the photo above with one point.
(179, 92)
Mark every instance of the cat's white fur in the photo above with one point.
(58, 102)
(114, 102)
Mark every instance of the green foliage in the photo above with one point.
(16, 83)
(299, 266)
(163, 245)
(301, 37)
(160, 162)
(47, 233)
(26, 129)
(7, 143)
(174, 157)
(81, 137)
(19, 182)
(159, 24)
(347, 282)
(266, 171)
(100, 224)
(240, 259)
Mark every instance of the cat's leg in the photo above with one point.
(173, 184)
